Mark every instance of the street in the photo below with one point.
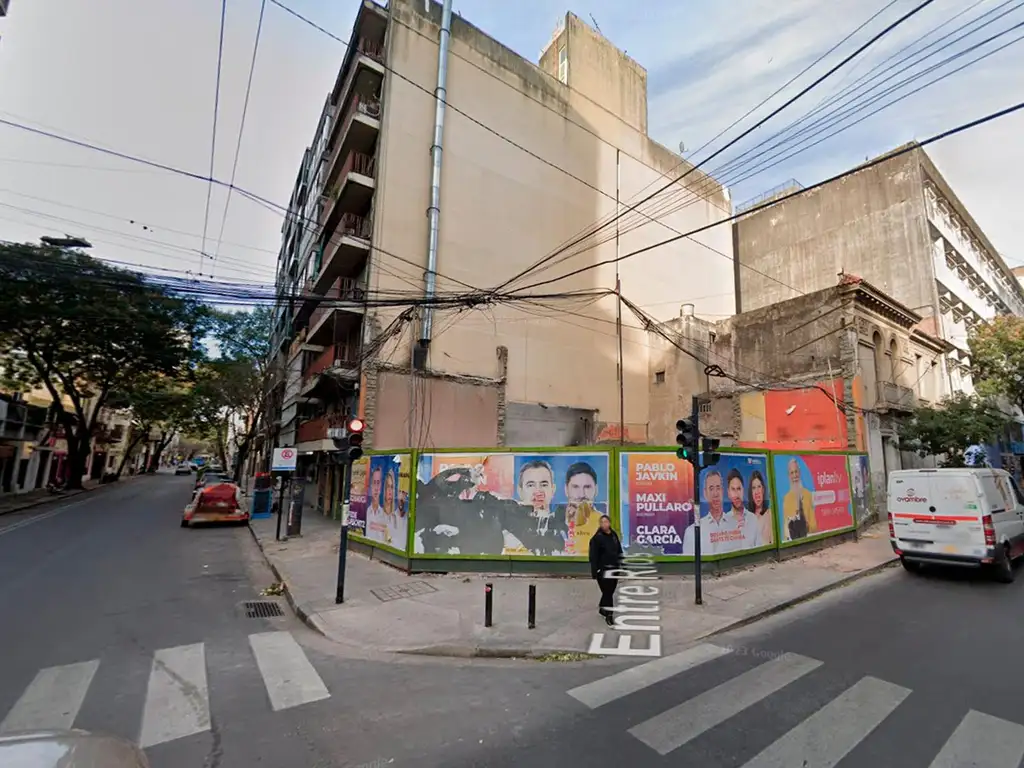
(122, 622)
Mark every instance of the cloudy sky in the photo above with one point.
(138, 76)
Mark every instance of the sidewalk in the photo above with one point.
(386, 610)
(12, 502)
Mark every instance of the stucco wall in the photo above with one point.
(502, 210)
(871, 223)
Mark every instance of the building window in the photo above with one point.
(659, 377)
(563, 65)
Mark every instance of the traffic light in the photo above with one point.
(355, 429)
(686, 437)
(710, 455)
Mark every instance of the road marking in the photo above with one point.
(289, 677)
(178, 698)
(607, 689)
(827, 736)
(52, 699)
(38, 518)
(685, 722)
(982, 741)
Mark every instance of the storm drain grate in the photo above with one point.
(262, 609)
(397, 592)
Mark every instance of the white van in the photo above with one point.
(966, 517)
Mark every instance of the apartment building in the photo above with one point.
(411, 201)
(901, 227)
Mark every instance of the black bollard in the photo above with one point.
(488, 604)
(531, 612)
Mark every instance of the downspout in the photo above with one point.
(434, 211)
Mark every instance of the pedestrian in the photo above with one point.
(605, 555)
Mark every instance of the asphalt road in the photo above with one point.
(117, 620)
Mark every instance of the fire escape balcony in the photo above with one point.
(345, 296)
(895, 397)
(345, 252)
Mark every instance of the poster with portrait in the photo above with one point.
(860, 484)
(509, 503)
(386, 505)
(358, 496)
(735, 509)
(812, 494)
(655, 501)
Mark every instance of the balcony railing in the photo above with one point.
(342, 289)
(314, 429)
(355, 225)
(341, 354)
(895, 397)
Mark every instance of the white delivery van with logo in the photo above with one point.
(966, 517)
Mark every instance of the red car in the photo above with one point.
(216, 503)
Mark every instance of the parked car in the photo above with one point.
(959, 517)
(216, 502)
(69, 749)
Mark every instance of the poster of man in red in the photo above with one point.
(812, 494)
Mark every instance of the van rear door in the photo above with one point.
(937, 512)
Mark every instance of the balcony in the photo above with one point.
(895, 397)
(342, 359)
(364, 77)
(345, 295)
(357, 132)
(312, 430)
(353, 190)
(346, 251)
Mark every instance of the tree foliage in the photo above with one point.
(950, 429)
(157, 403)
(83, 329)
(997, 358)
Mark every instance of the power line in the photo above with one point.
(917, 9)
(241, 131)
(884, 158)
(213, 138)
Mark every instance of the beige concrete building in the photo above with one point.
(832, 370)
(898, 225)
(530, 156)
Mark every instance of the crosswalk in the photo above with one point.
(822, 740)
(177, 697)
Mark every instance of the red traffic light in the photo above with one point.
(356, 425)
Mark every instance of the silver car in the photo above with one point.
(68, 749)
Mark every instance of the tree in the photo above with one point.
(997, 358)
(232, 390)
(83, 329)
(960, 422)
(157, 403)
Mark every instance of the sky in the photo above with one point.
(139, 77)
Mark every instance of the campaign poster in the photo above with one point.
(735, 507)
(812, 494)
(655, 502)
(860, 481)
(386, 511)
(357, 496)
(509, 503)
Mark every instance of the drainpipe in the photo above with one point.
(434, 211)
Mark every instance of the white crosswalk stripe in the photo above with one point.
(287, 673)
(822, 740)
(177, 696)
(982, 741)
(52, 699)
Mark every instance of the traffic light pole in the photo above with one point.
(698, 597)
(346, 485)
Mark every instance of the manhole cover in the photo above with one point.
(262, 609)
(397, 592)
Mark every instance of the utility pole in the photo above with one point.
(700, 451)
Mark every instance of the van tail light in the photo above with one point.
(990, 531)
(892, 530)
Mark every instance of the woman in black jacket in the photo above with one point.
(605, 555)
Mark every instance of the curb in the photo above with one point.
(791, 603)
(486, 652)
(304, 616)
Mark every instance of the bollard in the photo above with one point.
(531, 611)
(488, 604)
